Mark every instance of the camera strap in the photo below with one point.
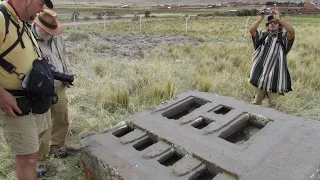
(10, 68)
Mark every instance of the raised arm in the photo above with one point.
(253, 28)
(285, 25)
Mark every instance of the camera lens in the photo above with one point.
(63, 77)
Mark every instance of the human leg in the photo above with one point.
(259, 96)
(43, 153)
(26, 165)
(60, 122)
(272, 99)
(21, 135)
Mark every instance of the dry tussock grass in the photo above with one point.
(109, 90)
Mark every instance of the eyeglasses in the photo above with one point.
(273, 22)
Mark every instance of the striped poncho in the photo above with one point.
(269, 70)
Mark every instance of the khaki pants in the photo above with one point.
(60, 124)
(260, 95)
(23, 133)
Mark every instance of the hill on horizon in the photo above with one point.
(160, 1)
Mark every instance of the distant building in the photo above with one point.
(309, 5)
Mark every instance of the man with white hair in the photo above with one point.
(47, 30)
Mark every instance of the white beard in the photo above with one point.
(43, 36)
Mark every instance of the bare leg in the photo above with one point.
(26, 166)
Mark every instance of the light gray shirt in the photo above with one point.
(49, 49)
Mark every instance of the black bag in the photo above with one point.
(24, 105)
(39, 83)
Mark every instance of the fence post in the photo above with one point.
(187, 23)
(74, 20)
(104, 22)
(246, 28)
(140, 17)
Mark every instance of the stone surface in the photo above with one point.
(204, 136)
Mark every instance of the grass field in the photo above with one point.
(110, 89)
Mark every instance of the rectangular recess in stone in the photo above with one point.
(221, 109)
(223, 176)
(170, 158)
(145, 143)
(244, 129)
(203, 174)
(185, 166)
(156, 150)
(201, 122)
(135, 135)
(123, 131)
(184, 108)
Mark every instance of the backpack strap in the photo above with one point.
(6, 16)
(10, 68)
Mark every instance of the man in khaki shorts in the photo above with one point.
(20, 131)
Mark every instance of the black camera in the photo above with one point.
(64, 77)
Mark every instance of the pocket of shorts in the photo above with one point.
(11, 137)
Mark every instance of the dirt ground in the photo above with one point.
(133, 46)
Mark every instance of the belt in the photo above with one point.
(18, 92)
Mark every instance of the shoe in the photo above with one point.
(73, 148)
(41, 171)
(60, 154)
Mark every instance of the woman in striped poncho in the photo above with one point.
(269, 72)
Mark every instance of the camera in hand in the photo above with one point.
(266, 11)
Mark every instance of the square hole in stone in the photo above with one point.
(145, 143)
(201, 122)
(170, 158)
(184, 108)
(221, 109)
(123, 131)
(204, 174)
(244, 129)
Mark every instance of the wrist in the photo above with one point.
(2, 91)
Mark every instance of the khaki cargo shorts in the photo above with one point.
(21, 133)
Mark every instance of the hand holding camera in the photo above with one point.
(262, 11)
(276, 15)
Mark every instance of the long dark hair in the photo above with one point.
(280, 29)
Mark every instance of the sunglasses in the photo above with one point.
(273, 22)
